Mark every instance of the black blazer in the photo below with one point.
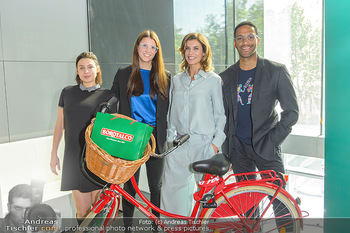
(272, 83)
(119, 88)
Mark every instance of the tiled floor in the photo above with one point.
(310, 191)
(306, 181)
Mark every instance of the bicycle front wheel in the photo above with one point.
(258, 213)
(98, 222)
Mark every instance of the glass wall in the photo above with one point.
(290, 33)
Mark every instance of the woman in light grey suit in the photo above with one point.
(195, 108)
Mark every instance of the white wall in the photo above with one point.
(39, 41)
(25, 161)
(28, 160)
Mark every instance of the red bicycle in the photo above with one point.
(249, 202)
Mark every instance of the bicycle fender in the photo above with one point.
(233, 186)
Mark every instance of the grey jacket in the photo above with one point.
(272, 84)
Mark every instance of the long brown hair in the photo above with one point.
(206, 61)
(158, 77)
(92, 56)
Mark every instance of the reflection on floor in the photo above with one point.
(310, 191)
(306, 181)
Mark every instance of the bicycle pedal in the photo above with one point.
(210, 205)
(208, 201)
(206, 198)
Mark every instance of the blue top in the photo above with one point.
(244, 98)
(143, 108)
(196, 107)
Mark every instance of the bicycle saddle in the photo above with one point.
(218, 164)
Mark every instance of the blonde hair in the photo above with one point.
(206, 61)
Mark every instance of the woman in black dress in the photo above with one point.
(77, 105)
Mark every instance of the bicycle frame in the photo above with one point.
(215, 184)
(110, 199)
(211, 189)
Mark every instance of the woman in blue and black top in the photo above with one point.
(142, 89)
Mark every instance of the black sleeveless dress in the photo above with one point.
(79, 107)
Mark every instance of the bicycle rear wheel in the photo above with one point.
(251, 202)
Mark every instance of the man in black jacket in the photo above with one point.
(252, 87)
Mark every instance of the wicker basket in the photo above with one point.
(112, 169)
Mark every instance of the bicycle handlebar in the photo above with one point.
(179, 141)
(106, 105)
(176, 143)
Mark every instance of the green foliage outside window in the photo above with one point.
(303, 41)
